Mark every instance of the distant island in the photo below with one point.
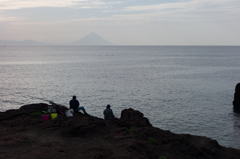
(89, 40)
(25, 42)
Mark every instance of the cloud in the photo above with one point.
(16, 4)
(185, 10)
(3, 18)
(194, 4)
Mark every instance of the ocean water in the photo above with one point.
(184, 89)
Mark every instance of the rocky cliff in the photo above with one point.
(236, 101)
(24, 135)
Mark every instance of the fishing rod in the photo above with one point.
(49, 101)
(39, 98)
(55, 105)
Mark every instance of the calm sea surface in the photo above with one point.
(184, 89)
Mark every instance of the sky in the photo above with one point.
(123, 22)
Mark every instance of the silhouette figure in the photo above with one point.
(75, 105)
(108, 113)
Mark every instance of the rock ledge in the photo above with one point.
(132, 136)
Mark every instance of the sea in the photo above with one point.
(184, 89)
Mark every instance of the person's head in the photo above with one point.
(74, 97)
(108, 106)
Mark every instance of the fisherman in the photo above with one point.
(108, 113)
(74, 104)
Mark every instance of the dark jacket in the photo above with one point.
(108, 114)
(74, 104)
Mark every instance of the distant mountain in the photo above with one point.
(25, 42)
(92, 39)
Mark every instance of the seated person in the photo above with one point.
(108, 113)
(74, 104)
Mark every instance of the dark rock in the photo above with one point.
(83, 136)
(236, 101)
(131, 118)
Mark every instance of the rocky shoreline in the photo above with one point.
(25, 136)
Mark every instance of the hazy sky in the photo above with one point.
(123, 22)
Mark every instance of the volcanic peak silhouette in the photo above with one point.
(92, 39)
